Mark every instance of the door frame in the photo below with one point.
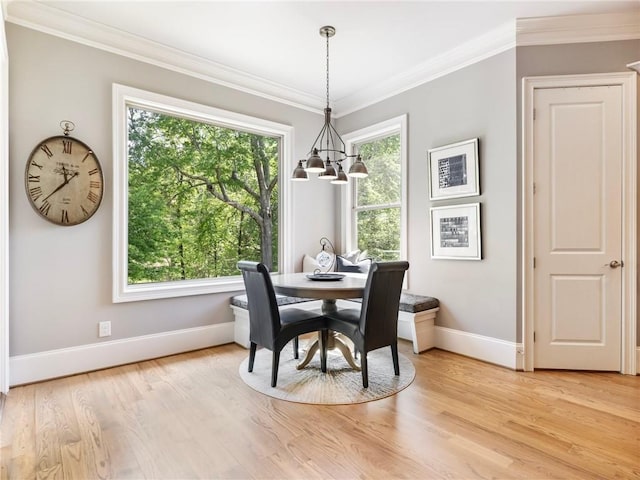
(4, 210)
(629, 206)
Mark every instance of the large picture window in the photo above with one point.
(198, 190)
(376, 221)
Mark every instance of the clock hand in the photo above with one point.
(67, 180)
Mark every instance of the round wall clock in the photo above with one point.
(64, 181)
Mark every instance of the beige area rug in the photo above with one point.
(339, 386)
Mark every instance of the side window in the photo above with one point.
(198, 191)
(376, 205)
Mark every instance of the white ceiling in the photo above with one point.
(278, 42)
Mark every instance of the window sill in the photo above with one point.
(182, 288)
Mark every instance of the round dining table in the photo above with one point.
(343, 286)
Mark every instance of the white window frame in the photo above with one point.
(396, 125)
(125, 97)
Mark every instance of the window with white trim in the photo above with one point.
(375, 207)
(196, 190)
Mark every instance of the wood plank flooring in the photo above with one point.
(191, 416)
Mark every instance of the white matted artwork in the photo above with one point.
(453, 170)
(455, 232)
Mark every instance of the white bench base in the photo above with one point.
(241, 323)
(417, 327)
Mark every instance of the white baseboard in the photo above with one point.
(488, 349)
(69, 361)
(637, 360)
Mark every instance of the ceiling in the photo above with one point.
(278, 43)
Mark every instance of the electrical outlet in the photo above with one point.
(104, 329)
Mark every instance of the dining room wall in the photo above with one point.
(479, 100)
(482, 100)
(60, 277)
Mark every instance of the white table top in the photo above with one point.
(298, 285)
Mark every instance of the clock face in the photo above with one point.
(64, 180)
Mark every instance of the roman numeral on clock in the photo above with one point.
(46, 150)
(64, 217)
(44, 208)
(66, 146)
(93, 197)
(35, 192)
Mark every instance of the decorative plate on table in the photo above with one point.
(326, 277)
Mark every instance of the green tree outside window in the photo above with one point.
(201, 197)
(378, 199)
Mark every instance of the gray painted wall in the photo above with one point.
(60, 277)
(477, 101)
(579, 58)
(482, 100)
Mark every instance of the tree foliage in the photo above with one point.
(201, 197)
(378, 224)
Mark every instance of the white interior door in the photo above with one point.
(577, 171)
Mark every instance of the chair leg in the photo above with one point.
(324, 339)
(252, 356)
(363, 367)
(394, 354)
(295, 348)
(274, 368)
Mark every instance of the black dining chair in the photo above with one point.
(375, 325)
(268, 326)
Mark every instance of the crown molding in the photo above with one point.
(527, 31)
(578, 29)
(46, 19)
(480, 48)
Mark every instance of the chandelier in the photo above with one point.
(330, 143)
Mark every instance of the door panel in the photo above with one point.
(578, 227)
(577, 322)
(577, 167)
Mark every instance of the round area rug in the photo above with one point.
(339, 386)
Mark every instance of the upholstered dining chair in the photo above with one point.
(375, 324)
(268, 326)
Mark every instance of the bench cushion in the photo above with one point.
(241, 300)
(412, 303)
(409, 302)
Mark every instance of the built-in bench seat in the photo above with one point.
(241, 300)
(416, 318)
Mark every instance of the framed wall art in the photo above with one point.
(455, 232)
(453, 170)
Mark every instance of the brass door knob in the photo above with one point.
(615, 264)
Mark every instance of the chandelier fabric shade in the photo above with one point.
(330, 145)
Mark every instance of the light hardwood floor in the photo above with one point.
(190, 416)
